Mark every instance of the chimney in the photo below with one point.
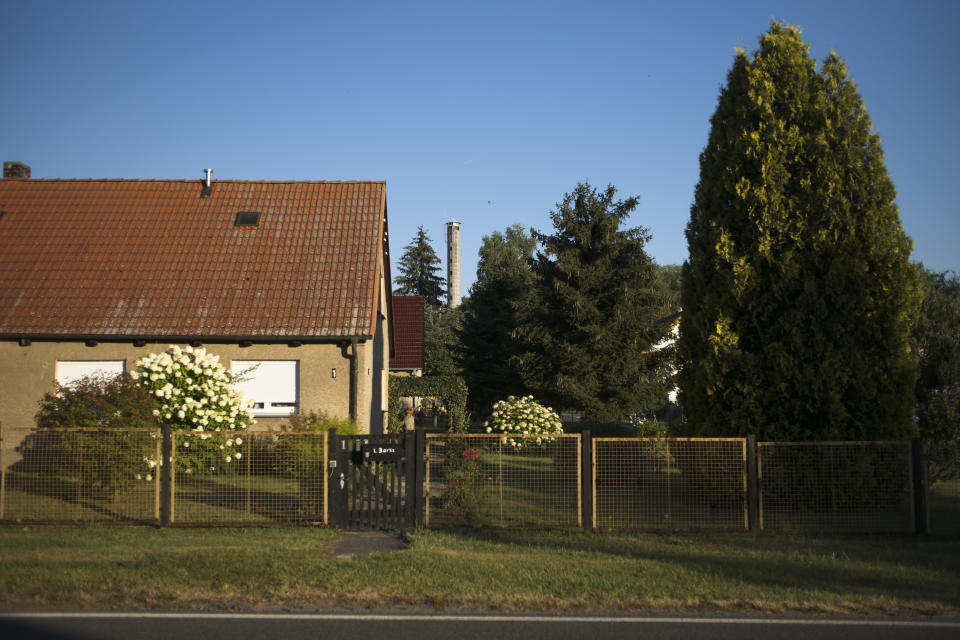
(16, 170)
(453, 264)
(207, 184)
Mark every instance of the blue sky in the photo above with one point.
(483, 112)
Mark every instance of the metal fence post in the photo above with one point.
(3, 473)
(753, 494)
(586, 485)
(335, 470)
(420, 484)
(166, 475)
(921, 517)
(410, 477)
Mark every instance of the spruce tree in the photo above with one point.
(588, 332)
(418, 269)
(798, 295)
(491, 314)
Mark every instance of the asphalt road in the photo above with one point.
(187, 626)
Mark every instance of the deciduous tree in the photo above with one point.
(938, 332)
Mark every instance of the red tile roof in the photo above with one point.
(407, 333)
(154, 259)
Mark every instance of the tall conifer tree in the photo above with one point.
(418, 269)
(798, 296)
(588, 333)
(504, 285)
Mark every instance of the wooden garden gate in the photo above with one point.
(373, 481)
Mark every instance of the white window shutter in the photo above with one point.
(273, 386)
(69, 371)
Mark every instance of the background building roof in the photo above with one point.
(407, 333)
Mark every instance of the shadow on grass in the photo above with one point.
(71, 497)
(235, 502)
(907, 567)
(196, 501)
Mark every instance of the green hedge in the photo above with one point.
(451, 390)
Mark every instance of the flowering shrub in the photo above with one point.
(938, 421)
(431, 406)
(193, 392)
(524, 421)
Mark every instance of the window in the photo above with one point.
(69, 371)
(247, 219)
(273, 386)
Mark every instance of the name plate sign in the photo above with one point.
(380, 452)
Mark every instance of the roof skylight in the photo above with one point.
(247, 219)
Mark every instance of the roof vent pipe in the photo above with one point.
(206, 180)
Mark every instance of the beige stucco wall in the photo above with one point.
(26, 373)
(374, 360)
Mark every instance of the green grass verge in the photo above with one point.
(133, 567)
(944, 508)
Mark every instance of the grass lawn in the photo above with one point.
(139, 567)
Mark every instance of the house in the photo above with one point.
(408, 333)
(293, 276)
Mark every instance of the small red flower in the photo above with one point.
(453, 482)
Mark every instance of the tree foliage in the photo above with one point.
(98, 402)
(798, 296)
(86, 427)
(492, 312)
(938, 332)
(586, 333)
(668, 277)
(418, 269)
(441, 341)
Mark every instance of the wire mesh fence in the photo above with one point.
(252, 478)
(836, 486)
(115, 475)
(81, 475)
(480, 479)
(943, 476)
(669, 483)
(483, 480)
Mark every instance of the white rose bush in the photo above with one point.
(194, 393)
(524, 422)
